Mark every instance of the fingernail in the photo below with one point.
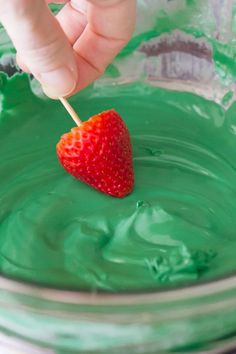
(58, 83)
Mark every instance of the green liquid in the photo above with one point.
(175, 229)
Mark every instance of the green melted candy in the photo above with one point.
(176, 228)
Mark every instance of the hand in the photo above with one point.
(68, 52)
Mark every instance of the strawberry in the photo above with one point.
(99, 153)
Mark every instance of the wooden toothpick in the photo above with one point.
(71, 111)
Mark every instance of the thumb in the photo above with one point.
(41, 44)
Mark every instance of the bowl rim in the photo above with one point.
(78, 297)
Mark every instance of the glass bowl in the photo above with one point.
(181, 46)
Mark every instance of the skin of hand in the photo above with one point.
(67, 52)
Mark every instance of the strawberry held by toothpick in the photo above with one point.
(99, 153)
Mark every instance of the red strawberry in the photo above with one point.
(99, 153)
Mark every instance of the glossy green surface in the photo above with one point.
(178, 226)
